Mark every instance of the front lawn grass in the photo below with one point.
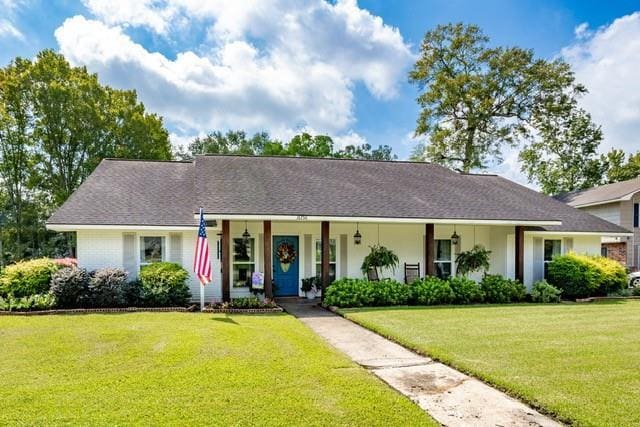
(185, 369)
(580, 362)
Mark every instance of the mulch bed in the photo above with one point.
(191, 309)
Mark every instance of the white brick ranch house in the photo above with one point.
(130, 213)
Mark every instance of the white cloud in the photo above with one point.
(7, 29)
(607, 61)
(275, 65)
(348, 138)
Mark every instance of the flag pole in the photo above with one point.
(201, 296)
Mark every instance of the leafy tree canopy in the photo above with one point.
(301, 145)
(619, 167)
(57, 122)
(476, 99)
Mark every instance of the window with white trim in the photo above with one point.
(332, 259)
(152, 249)
(442, 259)
(552, 248)
(244, 262)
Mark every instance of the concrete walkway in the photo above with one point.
(452, 398)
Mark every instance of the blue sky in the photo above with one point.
(338, 68)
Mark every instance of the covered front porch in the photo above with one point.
(331, 250)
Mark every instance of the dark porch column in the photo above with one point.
(520, 253)
(325, 256)
(225, 261)
(429, 248)
(268, 260)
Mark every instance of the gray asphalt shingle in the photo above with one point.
(168, 193)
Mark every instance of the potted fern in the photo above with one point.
(310, 287)
(379, 259)
(476, 259)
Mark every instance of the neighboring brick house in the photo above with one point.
(618, 203)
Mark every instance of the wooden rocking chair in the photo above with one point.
(372, 275)
(411, 273)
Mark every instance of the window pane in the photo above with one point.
(332, 250)
(242, 252)
(151, 249)
(242, 275)
(443, 250)
(551, 249)
(443, 270)
(332, 271)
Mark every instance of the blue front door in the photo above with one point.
(286, 258)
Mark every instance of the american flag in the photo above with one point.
(202, 261)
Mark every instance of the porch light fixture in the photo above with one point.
(245, 235)
(454, 237)
(357, 238)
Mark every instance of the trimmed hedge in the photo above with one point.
(428, 291)
(544, 292)
(431, 291)
(27, 278)
(500, 290)
(164, 284)
(69, 285)
(581, 276)
(106, 288)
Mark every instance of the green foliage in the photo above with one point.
(544, 292)
(301, 145)
(70, 286)
(580, 276)
(106, 288)
(476, 98)
(465, 291)
(27, 278)
(45, 301)
(56, 123)
(249, 302)
(380, 258)
(499, 290)
(565, 156)
(164, 284)
(309, 284)
(618, 167)
(431, 291)
(363, 293)
(476, 259)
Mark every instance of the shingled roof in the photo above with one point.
(168, 193)
(608, 193)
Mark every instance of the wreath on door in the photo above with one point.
(286, 255)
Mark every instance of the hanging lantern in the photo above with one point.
(245, 235)
(357, 238)
(454, 237)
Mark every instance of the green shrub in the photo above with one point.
(70, 286)
(248, 302)
(363, 293)
(106, 288)
(500, 290)
(44, 301)
(350, 293)
(635, 292)
(133, 295)
(431, 291)
(27, 278)
(465, 291)
(164, 284)
(544, 292)
(580, 276)
(390, 292)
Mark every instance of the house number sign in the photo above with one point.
(301, 218)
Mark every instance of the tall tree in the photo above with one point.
(78, 122)
(56, 123)
(564, 157)
(476, 99)
(619, 168)
(16, 149)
